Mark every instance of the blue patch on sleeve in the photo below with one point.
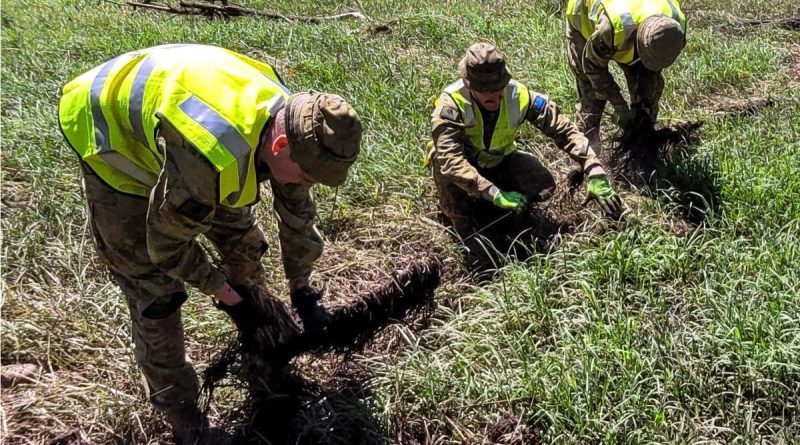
(539, 103)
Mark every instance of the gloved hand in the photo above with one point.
(640, 116)
(509, 200)
(622, 115)
(246, 317)
(305, 301)
(599, 189)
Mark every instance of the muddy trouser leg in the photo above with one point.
(645, 87)
(458, 206)
(522, 172)
(455, 203)
(118, 228)
(590, 109)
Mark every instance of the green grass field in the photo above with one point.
(653, 331)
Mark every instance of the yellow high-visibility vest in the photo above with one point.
(625, 16)
(218, 100)
(513, 109)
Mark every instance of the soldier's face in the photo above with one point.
(489, 101)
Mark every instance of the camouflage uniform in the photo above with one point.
(595, 84)
(642, 36)
(459, 179)
(150, 249)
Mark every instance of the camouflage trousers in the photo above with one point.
(519, 171)
(644, 86)
(118, 226)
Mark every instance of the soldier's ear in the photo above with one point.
(279, 144)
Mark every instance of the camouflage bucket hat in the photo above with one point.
(484, 69)
(324, 135)
(660, 40)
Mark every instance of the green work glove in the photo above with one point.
(509, 200)
(622, 115)
(599, 189)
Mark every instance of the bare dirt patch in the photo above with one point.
(509, 430)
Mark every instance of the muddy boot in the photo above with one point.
(305, 302)
(190, 427)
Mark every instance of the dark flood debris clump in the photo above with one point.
(282, 405)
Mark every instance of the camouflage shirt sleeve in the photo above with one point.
(597, 53)
(449, 156)
(181, 207)
(545, 115)
(301, 242)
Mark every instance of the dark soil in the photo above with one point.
(509, 430)
(286, 407)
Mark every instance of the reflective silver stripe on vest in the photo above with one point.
(595, 9)
(627, 24)
(225, 134)
(469, 112)
(276, 104)
(137, 99)
(512, 103)
(125, 165)
(101, 137)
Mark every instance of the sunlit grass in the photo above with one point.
(637, 335)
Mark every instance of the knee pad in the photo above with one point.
(164, 306)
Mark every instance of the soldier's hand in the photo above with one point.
(599, 189)
(227, 295)
(246, 317)
(509, 200)
(622, 115)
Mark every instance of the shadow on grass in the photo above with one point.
(304, 412)
(499, 237)
(661, 163)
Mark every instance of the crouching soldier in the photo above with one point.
(474, 157)
(174, 141)
(642, 36)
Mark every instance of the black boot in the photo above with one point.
(190, 427)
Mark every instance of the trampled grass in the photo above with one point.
(656, 331)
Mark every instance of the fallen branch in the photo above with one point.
(231, 10)
(744, 107)
(150, 6)
(790, 23)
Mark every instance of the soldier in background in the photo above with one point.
(474, 155)
(642, 36)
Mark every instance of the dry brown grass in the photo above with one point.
(92, 373)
